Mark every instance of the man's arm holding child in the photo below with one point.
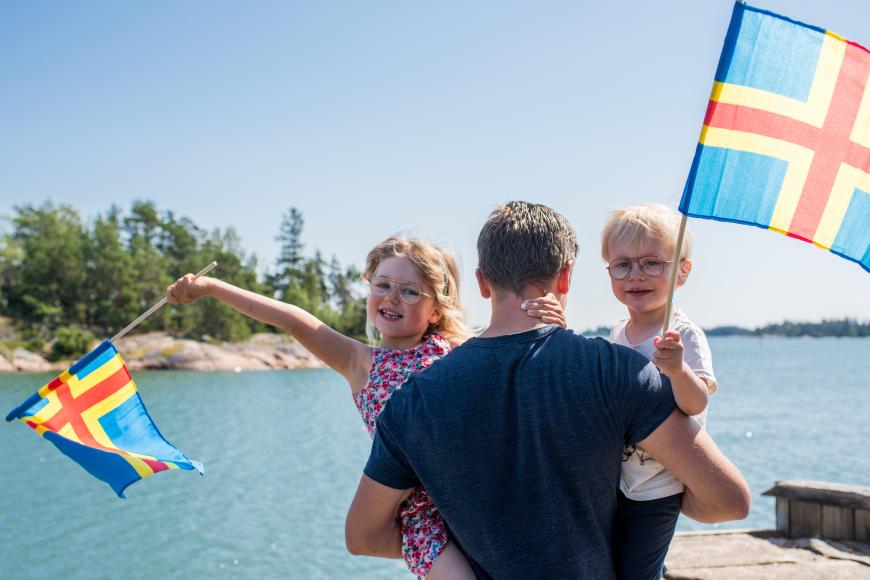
(715, 489)
(690, 391)
(372, 527)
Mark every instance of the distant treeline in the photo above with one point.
(65, 278)
(845, 327)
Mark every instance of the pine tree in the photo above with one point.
(112, 300)
(290, 265)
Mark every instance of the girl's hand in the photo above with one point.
(547, 308)
(669, 353)
(187, 289)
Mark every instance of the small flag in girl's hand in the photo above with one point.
(93, 414)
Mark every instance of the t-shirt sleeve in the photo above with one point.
(655, 404)
(388, 464)
(696, 353)
(639, 396)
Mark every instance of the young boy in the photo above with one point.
(638, 245)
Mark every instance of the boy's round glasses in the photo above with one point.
(409, 292)
(620, 268)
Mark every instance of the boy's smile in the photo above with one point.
(638, 292)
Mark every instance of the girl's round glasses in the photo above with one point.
(409, 292)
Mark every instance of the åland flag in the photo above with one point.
(93, 414)
(786, 138)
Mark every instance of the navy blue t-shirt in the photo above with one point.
(519, 441)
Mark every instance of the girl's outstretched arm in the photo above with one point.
(349, 357)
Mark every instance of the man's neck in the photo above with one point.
(508, 317)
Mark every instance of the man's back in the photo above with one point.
(518, 440)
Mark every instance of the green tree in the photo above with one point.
(286, 280)
(149, 266)
(178, 240)
(11, 259)
(344, 293)
(49, 285)
(210, 317)
(112, 300)
(312, 288)
(62, 280)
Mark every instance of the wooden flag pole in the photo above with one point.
(157, 306)
(675, 267)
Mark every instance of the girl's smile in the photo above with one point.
(390, 315)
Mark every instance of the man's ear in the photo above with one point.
(685, 268)
(563, 282)
(483, 284)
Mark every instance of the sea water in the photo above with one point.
(284, 452)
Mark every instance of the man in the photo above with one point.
(518, 434)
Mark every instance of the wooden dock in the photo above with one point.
(764, 555)
(821, 533)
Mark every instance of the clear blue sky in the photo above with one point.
(376, 117)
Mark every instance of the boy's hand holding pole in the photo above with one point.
(669, 353)
(690, 391)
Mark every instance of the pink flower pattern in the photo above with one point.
(424, 534)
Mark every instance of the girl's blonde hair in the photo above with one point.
(438, 268)
(650, 221)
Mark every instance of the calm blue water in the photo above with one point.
(284, 451)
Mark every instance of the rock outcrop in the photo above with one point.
(157, 350)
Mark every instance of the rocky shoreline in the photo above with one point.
(157, 350)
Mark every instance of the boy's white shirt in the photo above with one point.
(643, 478)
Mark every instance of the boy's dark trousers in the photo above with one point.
(642, 534)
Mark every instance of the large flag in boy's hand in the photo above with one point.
(786, 138)
(93, 414)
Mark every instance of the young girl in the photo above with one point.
(415, 311)
(638, 243)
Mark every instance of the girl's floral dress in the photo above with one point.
(424, 535)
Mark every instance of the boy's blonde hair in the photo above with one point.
(650, 221)
(438, 268)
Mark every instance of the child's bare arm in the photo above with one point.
(372, 527)
(690, 391)
(451, 565)
(349, 357)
